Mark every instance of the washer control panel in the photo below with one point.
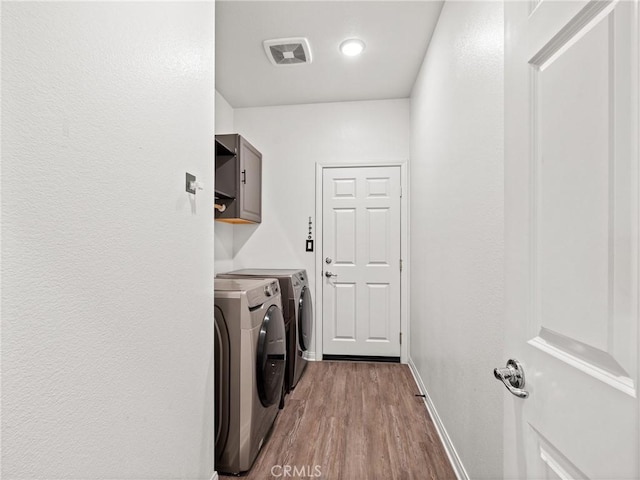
(271, 289)
(265, 290)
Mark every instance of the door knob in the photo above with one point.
(513, 378)
(329, 274)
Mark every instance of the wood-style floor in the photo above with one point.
(353, 421)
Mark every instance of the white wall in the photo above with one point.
(292, 140)
(224, 115)
(223, 231)
(456, 208)
(107, 263)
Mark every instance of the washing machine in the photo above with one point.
(298, 312)
(250, 364)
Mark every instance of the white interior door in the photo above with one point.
(361, 261)
(571, 80)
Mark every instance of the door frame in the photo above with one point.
(404, 253)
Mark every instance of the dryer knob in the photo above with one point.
(267, 291)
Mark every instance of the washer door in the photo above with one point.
(271, 359)
(305, 319)
(221, 369)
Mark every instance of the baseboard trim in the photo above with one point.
(454, 458)
(215, 476)
(361, 358)
(311, 356)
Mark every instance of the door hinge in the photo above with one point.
(400, 192)
(400, 264)
(400, 338)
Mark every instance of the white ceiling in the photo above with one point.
(396, 34)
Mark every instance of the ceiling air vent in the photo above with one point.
(288, 51)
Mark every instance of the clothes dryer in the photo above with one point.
(298, 311)
(250, 365)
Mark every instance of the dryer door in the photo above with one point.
(221, 368)
(305, 319)
(270, 365)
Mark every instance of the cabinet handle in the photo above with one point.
(244, 177)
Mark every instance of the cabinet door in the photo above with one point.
(250, 182)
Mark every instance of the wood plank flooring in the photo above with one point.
(353, 421)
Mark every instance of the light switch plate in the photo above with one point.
(191, 181)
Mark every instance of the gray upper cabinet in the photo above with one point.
(238, 180)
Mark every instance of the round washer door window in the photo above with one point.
(305, 319)
(271, 357)
(221, 375)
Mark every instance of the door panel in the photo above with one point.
(345, 312)
(378, 303)
(378, 230)
(361, 236)
(572, 242)
(578, 304)
(344, 228)
(344, 188)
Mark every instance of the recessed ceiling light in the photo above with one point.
(352, 47)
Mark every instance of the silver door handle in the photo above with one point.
(513, 378)
(329, 274)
